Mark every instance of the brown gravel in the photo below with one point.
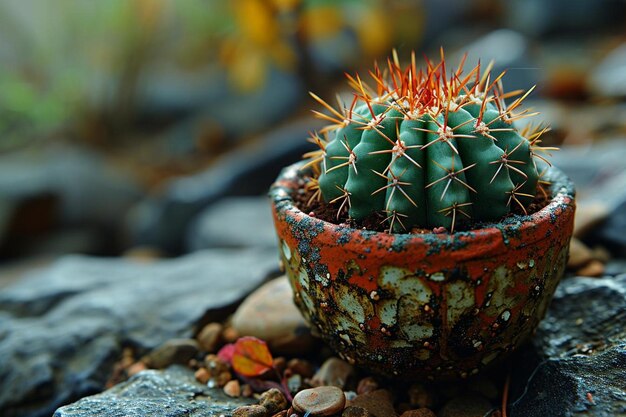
(232, 388)
(274, 401)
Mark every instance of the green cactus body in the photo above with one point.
(447, 190)
(456, 160)
(492, 185)
(333, 178)
(366, 181)
(405, 196)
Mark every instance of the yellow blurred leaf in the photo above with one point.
(286, 5)
(323, 21)
(247, 69)
(255, 21)
(374, 31)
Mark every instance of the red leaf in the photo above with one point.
(251, 356)
(226, 353)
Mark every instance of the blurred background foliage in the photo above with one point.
(106, 68)
(107, 104)
(72, 61)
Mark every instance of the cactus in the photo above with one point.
(427, 148)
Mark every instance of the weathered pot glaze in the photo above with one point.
(435, 306)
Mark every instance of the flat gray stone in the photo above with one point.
(62, 329)
(234, 222)
(581, 348)
(173, 392)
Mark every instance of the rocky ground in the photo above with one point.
(146, 330)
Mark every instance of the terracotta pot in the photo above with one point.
(435, 306)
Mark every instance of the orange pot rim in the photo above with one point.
(523, 229)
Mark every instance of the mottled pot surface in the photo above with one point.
(437, 306)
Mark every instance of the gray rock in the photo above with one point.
(537, 17)
(509, 50)
(612, 232)
(608, 78)
(164, 221)
(598, 171)
(173, 393)
(333, 371)
(615, 267)
(61, 329)
(581, 347)
(173, 351)
(88, 190)
(234, 222)
(58, 185)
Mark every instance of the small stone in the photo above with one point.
(246, 391)
(175, 351)
(218, 370)
(274, 401)
(350, 395)
(466, 406)
(230, 335)
(587, 216)
(579, 254)
(420, 396)
(594, 268)
(210, 337)
(353, 411)
(420, 412)
(215, 365)
(280, 364)
(270, 314)
(251, 411)
(333, 372)
(367, 384)
(301, 367)
(135, 368)
(232, 388)
(378, 403)
(320, 401)
(294, 383)
(202, 375)
(222, 378)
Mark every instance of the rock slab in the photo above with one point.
(62, 329)
(234, 222)
(581, 347)
(173, 393)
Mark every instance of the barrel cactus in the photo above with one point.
(428, 148)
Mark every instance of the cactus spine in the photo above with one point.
(427, 148)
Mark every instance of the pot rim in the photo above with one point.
(562, 201)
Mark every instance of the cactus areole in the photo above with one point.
(425, 149)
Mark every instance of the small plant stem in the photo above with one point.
(505, 393)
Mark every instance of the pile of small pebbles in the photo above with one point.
(334, 388)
